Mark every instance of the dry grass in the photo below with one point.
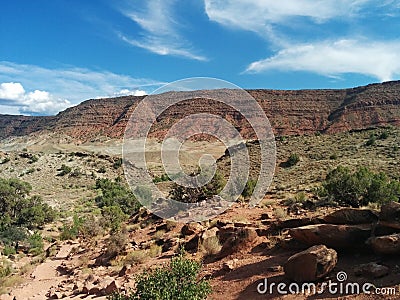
(136, 257)
(210, 246)
(155, 250)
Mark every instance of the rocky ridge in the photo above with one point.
(293, 112)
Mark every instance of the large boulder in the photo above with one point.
(390, 215)
(335, 236)
(387, 244)
(311, 264)
(351, 216)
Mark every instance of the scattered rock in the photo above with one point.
(351, 216)
(311, 264)
(111, 287)
(387, 244)
(372, 270)
(230, 264)
(191, 228)
(126, 270)
(335, 236)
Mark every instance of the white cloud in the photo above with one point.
(127, 92)
(36, 102)
(331, 58)
(63, 84)
(11, 91)
(160, 30)
(256, 15)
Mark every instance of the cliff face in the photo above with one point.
(290, 112)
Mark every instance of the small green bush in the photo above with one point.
(371, 141)
(249, 188)
(64, 170)
(117, 164)
(384, 135)
(35, 244)
(115, 194)
(293, 160)
(71, 231)
(176, 281)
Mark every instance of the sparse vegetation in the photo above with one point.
(162, 178)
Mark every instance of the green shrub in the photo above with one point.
(113, 217)
(64, 170)
(162, 178)
(5, 268)
(176, 281)
(35, 244)
(71, 231)
(117, 164)
(5, 160)
(17, 209)
(249, 188)
(371, 141)
(33, 159)
(293, 160)
(384, 135)
(191, 195)
(360, 187)
(115, 194)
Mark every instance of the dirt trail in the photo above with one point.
(42, 278)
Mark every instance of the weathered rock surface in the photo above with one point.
(387, 244)
(351, 216)
(335, 236)
(311, 264)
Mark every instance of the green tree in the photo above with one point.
(360, 187)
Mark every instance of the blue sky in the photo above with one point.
(57, 53)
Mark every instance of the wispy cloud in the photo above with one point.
(335, 55)
(256, 15)
(31, 89)
(160, 29)
(332, 58)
